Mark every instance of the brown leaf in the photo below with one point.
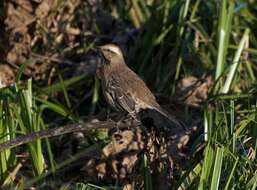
(25, 4)
(194, 91)
(123, 141)
(18, 17)
(43, 9)
(6, 75)
(16, 54)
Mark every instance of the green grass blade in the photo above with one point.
(64, 91)
(206, 168)
(21, 69)
(231, 174)
(217, 169)
(60, 109)
(224, 28)
(236, 62)
(147, 175)
(58, 86)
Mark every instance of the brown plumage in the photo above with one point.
(122, 87)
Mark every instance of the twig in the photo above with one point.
(23, 139)
(40, 57)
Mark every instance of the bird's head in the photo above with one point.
(111, 52)
(112, 58)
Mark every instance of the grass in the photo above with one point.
(175, 39)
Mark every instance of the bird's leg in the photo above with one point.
(117, 124)
(133, 118)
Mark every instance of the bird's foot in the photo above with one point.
(133, 120)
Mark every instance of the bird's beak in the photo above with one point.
(101, 53)
(99, 50)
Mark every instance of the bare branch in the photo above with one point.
(23, 139)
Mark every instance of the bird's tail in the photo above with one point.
(162, 120)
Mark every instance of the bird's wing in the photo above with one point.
(144, 99)
(138, 89)
(122, 96)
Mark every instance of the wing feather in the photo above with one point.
(121, 95)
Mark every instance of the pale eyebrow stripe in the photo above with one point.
(114, 49)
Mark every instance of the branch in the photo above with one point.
(23, 139)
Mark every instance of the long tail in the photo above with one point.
(163, 120)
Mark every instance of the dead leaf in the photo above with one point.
(6, 75)
(194, 91)
(43, 8)
(25, 4)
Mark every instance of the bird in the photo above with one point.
(125, 91)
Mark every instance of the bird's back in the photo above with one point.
(137, 87)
